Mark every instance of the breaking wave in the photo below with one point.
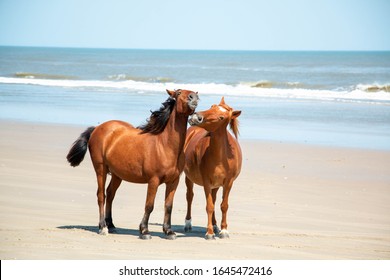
(271, 84)
(374, 88)
(31, 75)
(125, 77)
(359, 93)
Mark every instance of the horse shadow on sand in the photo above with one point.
(178, 229)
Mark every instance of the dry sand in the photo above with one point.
(290, 202)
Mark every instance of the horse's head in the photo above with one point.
(218, 116)
(186, 100)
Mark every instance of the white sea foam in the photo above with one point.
(360, 93)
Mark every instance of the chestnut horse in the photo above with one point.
(152, 154)
(213, 159)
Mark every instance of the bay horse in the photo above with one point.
(213, 159)
(151, 153)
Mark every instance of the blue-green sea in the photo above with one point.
(320, 98)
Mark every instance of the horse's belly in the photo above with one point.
(192, 171)
(143, 171)
(134, 175)
(214, 179)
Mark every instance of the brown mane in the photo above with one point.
(159, 118)
(234, 124)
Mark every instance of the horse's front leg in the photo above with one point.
(224, 208)
(149, 205)
(210, 210)
(190, 197)
(169, 195)
(214, 195)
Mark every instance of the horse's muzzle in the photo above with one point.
(193, 101)
(195, 119)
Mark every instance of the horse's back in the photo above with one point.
(105, 132)
(194, 136)
(104, 136)
(111, 126)
(196, 143)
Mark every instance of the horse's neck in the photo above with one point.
(219, 144)
(174, 134)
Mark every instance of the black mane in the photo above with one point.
(159, 119)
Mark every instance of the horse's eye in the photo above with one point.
(221, 118)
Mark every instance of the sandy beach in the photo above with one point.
(291, 201)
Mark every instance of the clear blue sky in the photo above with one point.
(198, 24)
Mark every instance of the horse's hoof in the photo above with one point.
(209, 236)
(103, 231)
(188, 225)
(145, 236)
(171, 236)
(112, 230)
(187, 229)
(224, 234)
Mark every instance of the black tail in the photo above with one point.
(79, 148)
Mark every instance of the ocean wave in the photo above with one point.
(263, 84)
(31, 75)
(125, 77)
(116, 77)
(273, 84)
(358, 94)
(374, 88)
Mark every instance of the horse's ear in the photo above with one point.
(222, 102)
(235, 114)
(171, 93)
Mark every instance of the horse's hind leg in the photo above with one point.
(101, 175)
(111, 190)
(189, 196)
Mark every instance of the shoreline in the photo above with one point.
(291, 201)
(247, 138)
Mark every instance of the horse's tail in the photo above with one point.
(79, 148)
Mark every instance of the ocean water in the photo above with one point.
(321, 98)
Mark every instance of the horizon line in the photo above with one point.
(185, 49)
